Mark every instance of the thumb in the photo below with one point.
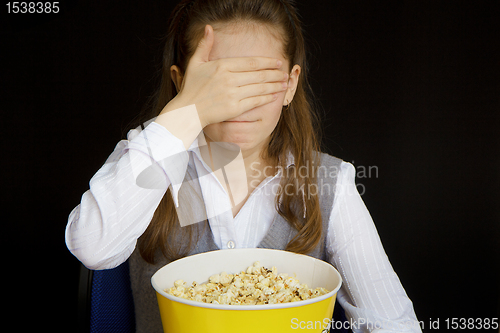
(204, 46)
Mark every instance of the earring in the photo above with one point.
(287, 106)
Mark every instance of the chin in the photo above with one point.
(244, 142)
(247, 136)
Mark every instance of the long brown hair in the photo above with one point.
(296, 131)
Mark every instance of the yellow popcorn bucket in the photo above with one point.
(179, 315)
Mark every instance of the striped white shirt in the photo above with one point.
(103, 229)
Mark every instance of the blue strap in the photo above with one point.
(112, 306)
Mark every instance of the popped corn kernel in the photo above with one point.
(225, 278)
(179, 283)
(214, 278)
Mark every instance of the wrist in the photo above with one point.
(174, 104)
(183, 122)
(177, 103)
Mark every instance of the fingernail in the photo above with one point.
(285, 85)
(286, 76)
(279, 63)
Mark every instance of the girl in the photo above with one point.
(229, 159)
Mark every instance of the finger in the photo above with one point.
(260, 89)
(268, 75)
(247, 64)
(204, 46)
(256, 101)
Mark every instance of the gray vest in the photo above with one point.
(280, 233)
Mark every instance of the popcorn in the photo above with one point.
(254, 286)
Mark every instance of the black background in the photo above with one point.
(409, 89)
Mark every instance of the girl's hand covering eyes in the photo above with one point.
(225, 88)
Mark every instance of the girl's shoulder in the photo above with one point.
(334, 169)
(329, 168)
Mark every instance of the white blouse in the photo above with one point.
(103, 229)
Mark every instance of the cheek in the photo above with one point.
(271, 112)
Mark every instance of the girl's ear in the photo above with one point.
(293, 81)
(176, 75)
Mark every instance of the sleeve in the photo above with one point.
(103, 229)
(371, 294)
